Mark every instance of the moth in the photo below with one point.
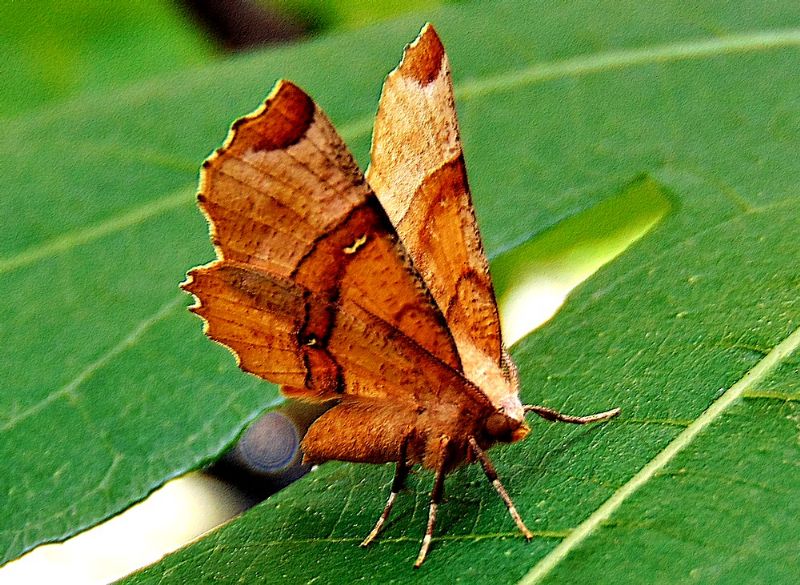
(370, 293)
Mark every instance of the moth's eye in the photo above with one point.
(498, 426)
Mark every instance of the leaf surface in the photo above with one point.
(110, 388)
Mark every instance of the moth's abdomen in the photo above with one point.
(361, 431)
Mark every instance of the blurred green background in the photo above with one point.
(52, 50)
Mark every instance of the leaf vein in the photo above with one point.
(778, 354)
(539, 72)
(70, 240)
(69, 389)
(583, 65)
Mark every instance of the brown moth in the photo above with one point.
(372, 294)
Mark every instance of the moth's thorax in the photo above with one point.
(501, 385)
(498, 382)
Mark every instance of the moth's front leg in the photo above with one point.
(491, 475)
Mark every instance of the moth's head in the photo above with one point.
(507, 423)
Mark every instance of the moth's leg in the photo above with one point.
(491, 475)
(436, 498)
(400, 474)
(553, 415)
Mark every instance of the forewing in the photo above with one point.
(285, 198)
(290, 335)
(417, 170)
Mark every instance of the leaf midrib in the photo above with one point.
(756, 374)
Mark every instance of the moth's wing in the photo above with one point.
(417, 170)
(268, 321)
(284, 197)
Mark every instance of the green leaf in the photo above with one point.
(110, 389)
(51, 50)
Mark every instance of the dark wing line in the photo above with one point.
(432, 374)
